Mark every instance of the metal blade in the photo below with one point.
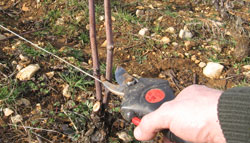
(123, 78)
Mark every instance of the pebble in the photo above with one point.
(79, 18)
(202, 64)
(193, 58)
(19, 67)
(215, 47)
(7, 112)
(197, 61)
(159, 19)
(104, 44)
(139, 12)
(175, 44)
(112, 18)
(170, 30)
(50, 74)
(189, 44)
(38, 107)
(23, 58)
(60, 21)
(185, 33)
(66, 92)
(102, 17)
(246, 67)
(144, 31)
(16, 45)
(27, 72)
(16, 119)
(247, 74)
(124, 136)
(165, 40)
(14, 62)
(87, 26)
(213, 70)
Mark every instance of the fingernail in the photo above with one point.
(137, 133)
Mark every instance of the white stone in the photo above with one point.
(66, 92)
(170, 30)
(197, 61)
(124, 136)
(175, 44)
(246, 67)
(27, 72)
(60, 21)
(139, 12)
(165, 40)
(16, 119)
(144, 31)
(193, 58)
(19, 67)
(16, 45)
(213, 70)
(247, 74)
(87, 26)
(104, 44)
(14, 62)
(102, 17)
(159, 19)
(23, 58)
(215, 47)
(185, 33)
(79, 18)
(50, 74)
(202, 64)
(7, 112)
(112, 18)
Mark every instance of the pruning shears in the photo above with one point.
(141, 96)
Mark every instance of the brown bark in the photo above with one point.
(110, 46)
(92, 34)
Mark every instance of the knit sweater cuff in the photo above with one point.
(234, 114)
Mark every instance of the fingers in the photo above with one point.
(150, 125)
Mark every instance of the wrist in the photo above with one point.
(214, 128)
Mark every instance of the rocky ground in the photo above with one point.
(185, 42)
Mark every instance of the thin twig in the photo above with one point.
(70, 119)
(33, 128)
(4, 74)
(40, 137)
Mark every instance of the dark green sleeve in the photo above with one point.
(234, 114)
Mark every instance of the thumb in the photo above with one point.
(151, 124)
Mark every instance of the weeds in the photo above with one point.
(11, 91)
(170, 12)
(76, 81)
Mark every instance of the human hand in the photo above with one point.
(192, 116)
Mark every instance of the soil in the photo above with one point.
(52, 117)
